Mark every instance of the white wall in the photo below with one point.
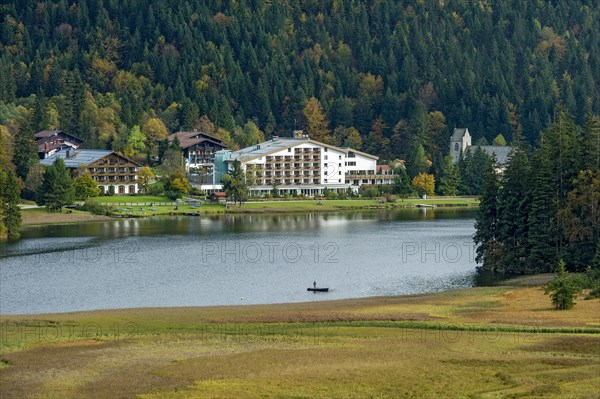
(362, 163)
(116, 186)
(333, 162)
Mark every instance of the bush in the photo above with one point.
(173, 195)
(157, 188)
(594, 292)
(390, 198)
(370, 191)
(96, 208)
(563, 289)
(196, 192)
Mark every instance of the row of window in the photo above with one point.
(112, 170)
(114, 178)
(120, 190)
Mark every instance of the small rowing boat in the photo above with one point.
(318, 289)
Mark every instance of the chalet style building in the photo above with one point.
(51, 141)
(107, 168)
(198, 148)
(300, 165)
(460, 145)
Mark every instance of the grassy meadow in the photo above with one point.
(499, 342)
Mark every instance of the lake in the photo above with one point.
(232, 260)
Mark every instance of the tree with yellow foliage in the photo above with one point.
(424, 184)
(155, 130)
(145, 176)
(317, 125)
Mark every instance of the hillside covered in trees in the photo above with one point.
(386, 76)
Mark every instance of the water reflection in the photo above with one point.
(192, 261)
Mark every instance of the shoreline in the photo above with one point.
(529, 281)
(33, 217)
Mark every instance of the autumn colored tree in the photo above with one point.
(499, 140)
(317, 126)
(424, 184)
(145, 176)
(85, 187)
(135, 142)
(154, 130)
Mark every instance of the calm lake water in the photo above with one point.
(231, 260)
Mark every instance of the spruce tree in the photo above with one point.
(25, 153)
(9, 201)
(542, 236)
(486, 222)
(450, 178)
(513, 210)
(57, 189)
(562, 289)
(591, 143)
(234, 184)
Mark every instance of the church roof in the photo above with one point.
(458, 134)
(500, 151)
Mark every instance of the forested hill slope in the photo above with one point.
(98, 67)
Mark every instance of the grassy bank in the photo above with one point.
(41, 216)
(290, 206)
(482, 342)
(143, 206)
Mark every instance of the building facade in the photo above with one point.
(51, 141)
(198, 148)
(107, 168)
(460, 145)
(301, 166)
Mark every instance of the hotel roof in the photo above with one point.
(188, 139)
(78, 158)
(277, 144)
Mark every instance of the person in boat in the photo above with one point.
(314, 284)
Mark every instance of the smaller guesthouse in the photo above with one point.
(218, 197)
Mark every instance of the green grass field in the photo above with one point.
(501, 342)
(126, 198)
(122, 205)
(332, 205)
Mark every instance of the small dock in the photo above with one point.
(425, 206)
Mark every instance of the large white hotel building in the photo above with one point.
(301, 165)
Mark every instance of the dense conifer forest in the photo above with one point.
(398, 73)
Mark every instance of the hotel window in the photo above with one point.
(325, 180)
(340, 157)
(325, 149)
(326, 157)
(456, 147)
